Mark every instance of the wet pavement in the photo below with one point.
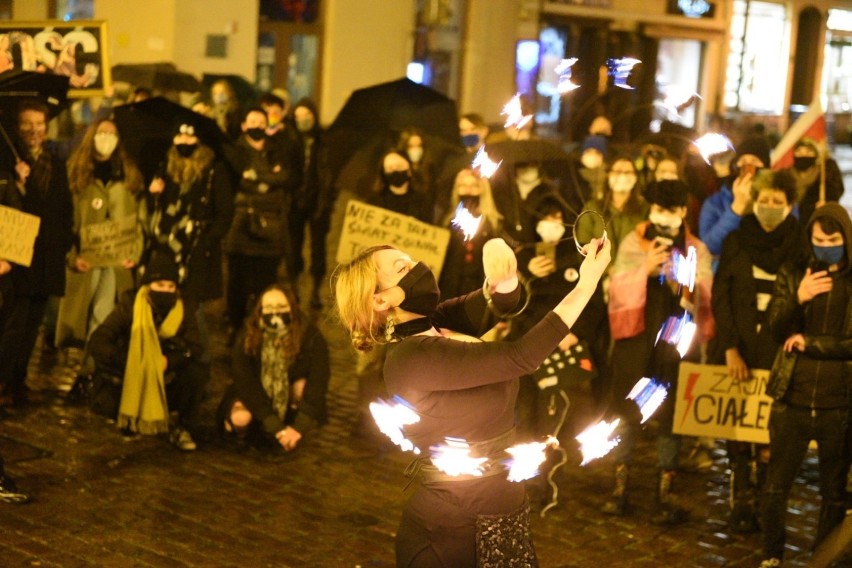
(102, 500)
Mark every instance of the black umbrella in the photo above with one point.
(147, 129)
(158, 76)
(16, 86)
(372, 118)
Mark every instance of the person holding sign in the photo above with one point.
(458, 387)
(42, 182)
(811, 378)
(748, 266)
(105, 183)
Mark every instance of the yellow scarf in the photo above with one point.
(143, 405)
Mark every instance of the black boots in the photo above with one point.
(668, 511)
(617, 503)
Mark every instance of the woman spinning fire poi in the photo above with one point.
(460, 388)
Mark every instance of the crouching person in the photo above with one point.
(147, 359)
(280, 370)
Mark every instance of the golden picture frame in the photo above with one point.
(77, 49)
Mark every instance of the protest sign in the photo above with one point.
(710, 402)
(109, 243)
(18, 232)
(366, 225)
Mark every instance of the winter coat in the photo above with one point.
(717, 220)
(95, 204)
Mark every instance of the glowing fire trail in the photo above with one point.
(596, 441)
(483, 164)
(711, 144)
(678, 331)
(454, 459)
(648, 394)
(390, 418)
(465, 221)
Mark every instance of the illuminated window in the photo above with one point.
(756, 77)
(837, 66)
(68, 10)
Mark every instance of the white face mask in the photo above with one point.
(550, 231)
(621, 183)
(415, 154)
(527, 175)
(105, 143)
(591, 160)
(667, 220)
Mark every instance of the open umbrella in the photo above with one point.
(157, 76)
(372, 118)
(16, 86)
(147, 129)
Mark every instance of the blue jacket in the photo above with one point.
(716, 221)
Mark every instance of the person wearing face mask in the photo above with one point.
(459, 387)
(643, 294)
(591, 170)
(106, 185)
(423, 168)
(462, 271)
(395, 189)
(622, 205)
(811, 378)
(225, 108)
(721, 212)
(810, 175)
(41, 183)
(148, 372)
(257, 240)
(551, 264)
(742, 287)
(473, 131)
(312, 203)
(280, 371)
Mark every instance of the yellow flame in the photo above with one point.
(595, 441)
(465, 221)
(454, 459)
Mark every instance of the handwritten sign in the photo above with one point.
(18, 232)
(710, 402)
(109, 243)
(366, 225)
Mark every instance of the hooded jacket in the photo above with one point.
(787, 317)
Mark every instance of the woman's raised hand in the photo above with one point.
(500, 265)
(596, 261)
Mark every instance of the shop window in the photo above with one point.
(756, 77)
(837, 66)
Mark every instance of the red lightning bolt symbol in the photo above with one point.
(690, 384)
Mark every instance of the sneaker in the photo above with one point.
(699, 459)
(9, 491)
(770, 563)
(181, 439)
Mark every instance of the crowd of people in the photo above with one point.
(227, 216)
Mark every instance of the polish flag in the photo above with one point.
(809, 125)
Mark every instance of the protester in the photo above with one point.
(225, 108)
(592, 168)
(473, 132)
(148, 370)
(312, 202)
(811, 175)
(462, 270)
(257, 240)
(105, 184)
(280, 368)
(395, 190)
(722, 211)
(42, 183)
(424, 172)
(643, 295)
(809, 383)
(742, 287)
(460, 388)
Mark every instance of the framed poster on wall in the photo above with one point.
(77, 49)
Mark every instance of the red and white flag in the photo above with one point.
(809, 125)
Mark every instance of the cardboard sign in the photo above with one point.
(712, 403)
(109, 243)
(366, 225)
(18, 232)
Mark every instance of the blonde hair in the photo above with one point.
(188, 170)
(486, 200)
(354, 285)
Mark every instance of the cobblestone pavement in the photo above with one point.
(101, 500)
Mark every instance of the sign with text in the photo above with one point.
(18, 232)
(366, 225)
(710, 402)
(109, 243)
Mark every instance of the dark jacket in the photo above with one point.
(53, 205)
(109, 343)
(787, 317)
(312, 364)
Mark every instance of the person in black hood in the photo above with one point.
(810, 174)
(811, 376)
(395, 190)
(749, 263)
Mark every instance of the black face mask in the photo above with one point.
(397, 179)
(276, 321)
(186, 150)
(470, 202)
(256, 134)
(802, 163)
(162, 302)
(421, 290)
